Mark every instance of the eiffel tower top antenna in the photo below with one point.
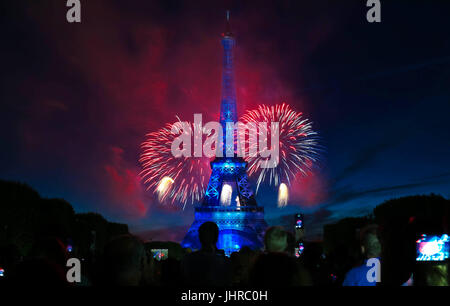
(228, 29)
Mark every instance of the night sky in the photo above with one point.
(78, 99)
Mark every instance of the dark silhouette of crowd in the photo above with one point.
(128, 261)
(110, 256)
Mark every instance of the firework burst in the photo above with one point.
(178, 180)
(299, 149)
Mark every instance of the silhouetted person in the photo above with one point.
(208, 266)
(370, 248)
(275, 239)
(275, 267)
(46, 265)
(170, 272)
(241, 262)
(126, 262)
(431, 274)
(9, 259)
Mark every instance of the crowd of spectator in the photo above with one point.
(128, 261)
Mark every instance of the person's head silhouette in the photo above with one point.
(208, 233)
(125, 261)
(275, 239)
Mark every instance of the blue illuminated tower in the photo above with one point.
(229, 199)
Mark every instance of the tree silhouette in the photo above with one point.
(26, 217)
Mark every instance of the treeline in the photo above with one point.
(25, 217)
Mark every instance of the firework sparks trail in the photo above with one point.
(283, 195)
(299, 149)
(225, 196)
(163, 188)
(179, 180)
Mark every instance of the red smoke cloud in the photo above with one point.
(125, 190)
(308, 191)
(138, 71)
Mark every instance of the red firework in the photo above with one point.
(298, 145)
(184, 179)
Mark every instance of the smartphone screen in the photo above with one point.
(433, 247)
(160, 254)
(299, 250)
(298, 221)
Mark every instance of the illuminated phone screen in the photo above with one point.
(433, 248)
(299, 250)
(298, 221)
(160, 254)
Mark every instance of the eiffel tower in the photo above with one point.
(229, 200)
